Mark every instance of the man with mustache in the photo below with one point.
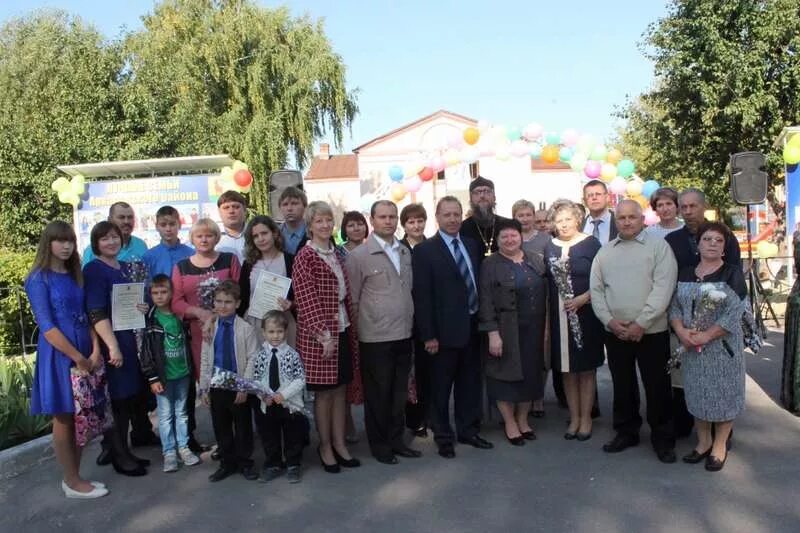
(481, 227)
(133, 248)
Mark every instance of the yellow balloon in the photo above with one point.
(794, 140)
(398, 192)
(608, 172)
(634, 188)
(78, 178)
(68, 197)
(642, 201)
(614, 156)
(77, 187)
(227, 174)
(766, 249)
(60, 184)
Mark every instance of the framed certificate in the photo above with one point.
(124, 314)
(269, 287)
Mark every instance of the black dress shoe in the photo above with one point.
(570, 436)
(140, 461)
(695, 457)
(104, 458)
(331, 469)
(476, 441)
(215, 455)
(347, 463)
(583, 436)
(249, 473)
(139, 470)
(516, 441)
(387, 460)
(529, 435)
(407, 452)
(715, 464)
(221, 473)
(666, 455)
(447, 451)
(620, 442)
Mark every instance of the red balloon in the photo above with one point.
(243, 178)
(426, 174)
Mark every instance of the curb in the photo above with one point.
(18, 459)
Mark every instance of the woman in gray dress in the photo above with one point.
(512, 293)
(706, 316)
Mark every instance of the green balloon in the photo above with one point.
(625, 168)
(513, 133)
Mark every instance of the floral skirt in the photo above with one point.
(92, 405)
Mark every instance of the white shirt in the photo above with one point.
(392, 250)
(234, 245)
(448, 240)
(660, 231)
(604, 228)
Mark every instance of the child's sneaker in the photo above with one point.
(293, 474)
(188, 457)
(170, 462)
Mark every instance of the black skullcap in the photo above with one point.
(480, 181)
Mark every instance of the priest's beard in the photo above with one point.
(484, 216)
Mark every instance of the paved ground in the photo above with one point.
(550, 485)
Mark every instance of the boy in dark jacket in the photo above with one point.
(166, 364)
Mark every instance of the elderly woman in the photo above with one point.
(665, 203)
(706, 316)
(512, 310)
(569, 257)
(325, 339)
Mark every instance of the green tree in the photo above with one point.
(727, 79)
(230, 76)
(58, 104)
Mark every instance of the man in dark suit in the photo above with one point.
(599, 223)
(445, 270)
(481, 227)
(692, 206)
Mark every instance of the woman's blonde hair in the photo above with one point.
(208, 224)
(519, 205)
(314, 209)
(565, 205)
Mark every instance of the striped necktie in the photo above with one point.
(596, 230)
(472, 293)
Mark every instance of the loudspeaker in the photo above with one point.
(748, 178)
(278, 181)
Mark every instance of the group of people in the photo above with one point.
(400, 324)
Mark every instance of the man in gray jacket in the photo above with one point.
(632, 281)
(380, 284)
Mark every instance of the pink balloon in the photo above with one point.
(438, 163)
(569, 137)
(519, 148)
(618, 185)
(592, 169)
(455, 140)
(533, 131)
(650, 217)
(413, 184)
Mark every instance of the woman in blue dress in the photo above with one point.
(119, 347)
(54, 288)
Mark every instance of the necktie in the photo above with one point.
(596, 231)
(472, 293)
(227, 346)
(274, 380)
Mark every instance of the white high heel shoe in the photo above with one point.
(96, 492)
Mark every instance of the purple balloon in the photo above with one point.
(592, 169)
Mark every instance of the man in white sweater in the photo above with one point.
(632, 281)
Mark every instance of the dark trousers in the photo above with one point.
(651, 355)
(191, 400)
(141, 427)
(384, 372)
(457, 370)
(418, 414)
(282, 434)
(233, 429)
(684, 421)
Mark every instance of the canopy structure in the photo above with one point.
(784, 136)
(148, 167)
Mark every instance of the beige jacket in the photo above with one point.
(245, 343)
(381, 297)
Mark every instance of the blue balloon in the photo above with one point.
(649, 187)
(553, 138)
(536, 151)
(396, 173)
(565, 154)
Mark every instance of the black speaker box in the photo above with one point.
(748, 178)
(278, 181)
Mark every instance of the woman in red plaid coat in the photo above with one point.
(326, 336)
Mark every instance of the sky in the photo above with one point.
(508, 62)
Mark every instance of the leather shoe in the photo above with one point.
(407, 452)
(104, 458)
(529, 435)
(695, 457)
(347, 463)
(570, 436)
(666, 455)
(388, 460)
(516, 441)
(620, 442)
(583, 436)
(249, 473)
(715, 464)
(447, 451)
(476, 441)
(220, 474)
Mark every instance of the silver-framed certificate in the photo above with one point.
(269, 287)
(124, 314)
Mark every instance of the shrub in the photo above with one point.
(16, 423)
(14, 305)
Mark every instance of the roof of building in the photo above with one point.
(426, 118)
(334, 167)
(148, 167)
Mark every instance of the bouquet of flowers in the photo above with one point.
(560, 269)
(225, 379)
(707, 300)
(136, 271)
(205, 291)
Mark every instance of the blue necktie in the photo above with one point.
(596, 230)
(472, 293)
(227, 346)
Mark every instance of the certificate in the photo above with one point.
(269, 287)
(124, 314)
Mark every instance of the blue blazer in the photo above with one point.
(441, 309)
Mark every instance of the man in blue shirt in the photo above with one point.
(133, 248)
(162, 258)
(292, 203)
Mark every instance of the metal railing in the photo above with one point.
(18, 329)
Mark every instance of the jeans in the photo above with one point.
(173, 422)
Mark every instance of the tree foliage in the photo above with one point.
(201, 77)
(727, 80)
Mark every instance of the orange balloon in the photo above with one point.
(549, 154)
(614, 156)
(426, 174)
(471, 135)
